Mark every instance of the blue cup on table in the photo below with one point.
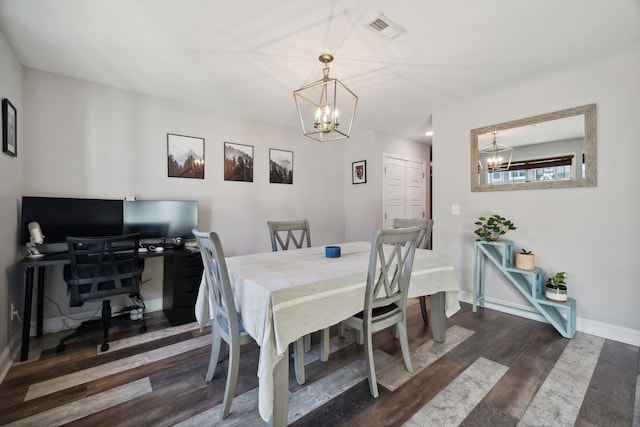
(332, 251)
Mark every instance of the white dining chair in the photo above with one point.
(424, 242)
(385, 301)
(225, 322)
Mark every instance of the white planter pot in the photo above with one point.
(558, 294)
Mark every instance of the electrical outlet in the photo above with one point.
(13, 311)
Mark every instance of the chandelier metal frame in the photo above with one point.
(326, 107)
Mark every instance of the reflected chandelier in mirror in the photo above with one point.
(553, 150)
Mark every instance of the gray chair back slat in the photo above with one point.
(285, 232)
(424, 240)
(390, 265)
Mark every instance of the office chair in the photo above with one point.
(101, 268)
(424, 242)
(225, 322)
(385, 302)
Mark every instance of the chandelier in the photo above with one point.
(495, 157)
(326, 107)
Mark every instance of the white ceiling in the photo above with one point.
(247, 57)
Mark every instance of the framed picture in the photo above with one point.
(280, 166)
(359, 172)
(185, 156)
(9, 128)
(238, 162)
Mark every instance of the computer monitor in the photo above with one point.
(60, 217)
(160, 219)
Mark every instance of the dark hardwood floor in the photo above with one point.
(494, 369)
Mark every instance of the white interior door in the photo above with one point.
(404, 189)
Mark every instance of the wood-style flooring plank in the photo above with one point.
(54, 364)
(610, 397)
(453, 404)
(181, 399)
(559, 398)
(396, 408)
(515, 390)
(168, 388)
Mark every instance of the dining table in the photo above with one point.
(284, 295)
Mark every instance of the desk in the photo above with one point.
(48, 260)
(282, 296)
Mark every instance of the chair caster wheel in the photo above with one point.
(143, 329)
(104, 347)
(60, 348)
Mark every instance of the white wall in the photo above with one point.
(89, 140)
(363, 202)
(591, 233)
(10, 187)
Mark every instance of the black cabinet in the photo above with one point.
(182, 275)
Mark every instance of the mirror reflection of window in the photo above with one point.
(552, 150)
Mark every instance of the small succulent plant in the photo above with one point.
(557, 280)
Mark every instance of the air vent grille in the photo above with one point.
(385, 27)
(379, 25)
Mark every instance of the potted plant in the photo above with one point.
(525, 260)
(556, 287)
(492, 227)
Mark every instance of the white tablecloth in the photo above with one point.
(282, 296)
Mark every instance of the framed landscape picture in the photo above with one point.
(280, 166)
(185, 156)
(238, 162)
(9, 128)
(359, 172)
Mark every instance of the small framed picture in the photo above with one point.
(185, 156)
(280, 166)
(9, 128)
(238, 162)
(359, 172)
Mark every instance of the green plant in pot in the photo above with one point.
(492, 227)
(525, 260)
(556, 287)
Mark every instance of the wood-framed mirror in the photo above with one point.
(552, 150)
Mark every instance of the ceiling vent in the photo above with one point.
(385, 27)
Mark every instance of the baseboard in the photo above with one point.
(592, 327)
(9, 354)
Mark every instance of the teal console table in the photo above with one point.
(562, 315)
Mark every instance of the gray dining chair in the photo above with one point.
(424, 242)
(297, 233)
(385, 301)
(225, 322)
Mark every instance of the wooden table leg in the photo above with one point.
(438, 320)
(280, 416)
